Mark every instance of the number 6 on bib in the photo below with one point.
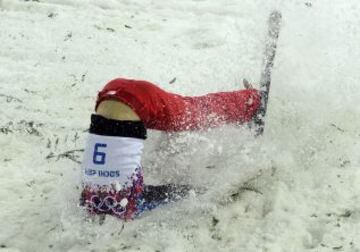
(99, 157)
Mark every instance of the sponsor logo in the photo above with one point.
(90, 172)
(102, 173)
(106, 205)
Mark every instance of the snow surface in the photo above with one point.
(294, 189)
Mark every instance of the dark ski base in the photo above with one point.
(165, 193)
(154, 196)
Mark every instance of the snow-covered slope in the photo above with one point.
(294, 189)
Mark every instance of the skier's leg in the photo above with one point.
(216, 109)
(166, 111)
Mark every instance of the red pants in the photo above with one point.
(166, 111)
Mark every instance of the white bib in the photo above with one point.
(111, 160)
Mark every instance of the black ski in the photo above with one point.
(274, 24)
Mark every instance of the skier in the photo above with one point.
(125, 109)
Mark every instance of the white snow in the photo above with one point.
(294, 189)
